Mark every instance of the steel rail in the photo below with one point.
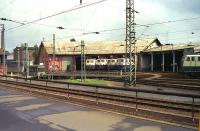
(98, 95)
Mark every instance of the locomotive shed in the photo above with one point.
(151, 54)
(165, 58)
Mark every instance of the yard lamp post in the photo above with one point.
(26, 60)
(53, 65)
(18, 61)
(3, 47)
(74, 62)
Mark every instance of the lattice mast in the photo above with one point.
(83, 73)
(130, 67)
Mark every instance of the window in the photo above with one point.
(193, 58)
(188, 59)
(102, 60)
(113, 60)
(198, 58)
(88, 61)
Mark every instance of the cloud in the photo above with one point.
(186, 6)
(107, 15)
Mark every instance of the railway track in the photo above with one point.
(173, 83)
(129, 101)
(143, 78)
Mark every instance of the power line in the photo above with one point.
(59, 27)
(173, 21)
(56, 14)
(15, 21)
(178, 31)
(82, 34)
(170, 21)
(181, 38)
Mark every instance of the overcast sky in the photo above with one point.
(107, 15)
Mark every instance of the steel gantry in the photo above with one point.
(3, 48)
(130, 56)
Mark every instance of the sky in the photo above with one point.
(107, 18)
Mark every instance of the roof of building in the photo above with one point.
(170, 47)
(197, 48)
(95, 47)
(23, 48)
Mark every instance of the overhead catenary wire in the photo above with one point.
(59, 13)
(86, 33)
(54, 26)
(15, 21)
(151, 24)
(137, 25)
(177, 31)
(173, 21)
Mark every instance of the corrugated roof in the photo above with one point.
(96, 47)
(170, 47)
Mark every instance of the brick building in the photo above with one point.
(21, 50)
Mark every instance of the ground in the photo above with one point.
(91, 82)
(22, 112)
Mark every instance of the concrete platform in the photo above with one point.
(21, 112)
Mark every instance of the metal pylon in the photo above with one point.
(130, 66)
(83, 73)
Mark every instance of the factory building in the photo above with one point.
(151, 54)
(19, 54)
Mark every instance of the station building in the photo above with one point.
(151, 54)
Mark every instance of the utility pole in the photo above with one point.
(3, 48)
(18, 61)
(83, 73)
(130, 56)
(26, 60)
(53, 66)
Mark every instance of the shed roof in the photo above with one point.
(95, 47)
(197, 49)
(170, 47)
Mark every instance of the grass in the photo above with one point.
(91, 82)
